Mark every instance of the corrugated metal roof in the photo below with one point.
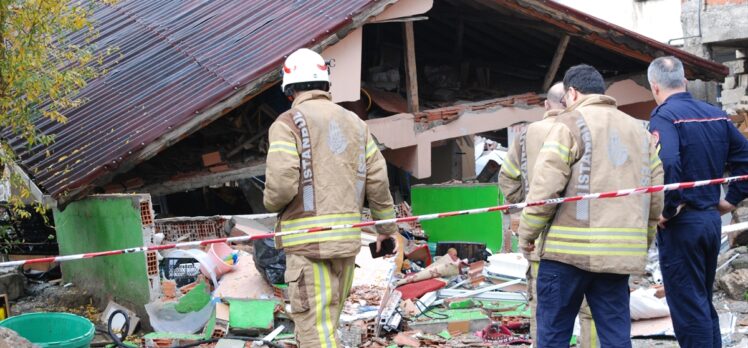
(611, 36)
(181, 64)
(175, 60)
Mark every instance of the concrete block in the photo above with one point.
(740, 53)
(737, 66)
(729, 82)
(741, 262)
(732, 96)
(12, 284)
(735, 284)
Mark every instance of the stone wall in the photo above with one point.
(718, 24)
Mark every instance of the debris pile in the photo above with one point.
(429, 294)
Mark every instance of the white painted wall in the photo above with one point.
(658, 19)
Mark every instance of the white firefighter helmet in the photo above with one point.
(304, 65)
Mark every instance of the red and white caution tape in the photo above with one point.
(611, 194)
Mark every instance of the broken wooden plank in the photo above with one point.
(556, 62)
(459, 41)
(246, 144)
(411, 76)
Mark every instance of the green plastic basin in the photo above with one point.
(58, 330)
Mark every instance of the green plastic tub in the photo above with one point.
(54, 330)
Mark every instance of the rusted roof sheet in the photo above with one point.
(175, 61)
(611, 36)
(181, 64)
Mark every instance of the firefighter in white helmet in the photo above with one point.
(321, 164)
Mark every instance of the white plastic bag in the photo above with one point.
(645, 305)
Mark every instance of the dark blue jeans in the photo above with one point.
(689, 246)
(562, 287)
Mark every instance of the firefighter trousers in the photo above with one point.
(688, 247)
(587, 336)
(317, 290)
(561, 289)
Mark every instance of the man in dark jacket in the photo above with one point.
(697, 142)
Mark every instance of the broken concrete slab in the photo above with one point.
(233, 285)
(12, 284)
(735, 284)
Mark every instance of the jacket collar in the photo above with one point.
(552, 113)
(591, 100)
(679, 96)
(311, 95)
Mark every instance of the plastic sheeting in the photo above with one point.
(645, 305)
(206, 265)
(165, 318)
(269, 261)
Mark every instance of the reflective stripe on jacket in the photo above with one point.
(321, 163)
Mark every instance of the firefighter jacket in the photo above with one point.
(594, 147)
(516, 172)
(321, 163)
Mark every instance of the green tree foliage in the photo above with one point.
(46, 57)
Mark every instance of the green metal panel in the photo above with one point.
(484, 228)
(99, 224)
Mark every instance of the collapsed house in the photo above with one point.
(183, 112)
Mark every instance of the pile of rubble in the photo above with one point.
(446, 294)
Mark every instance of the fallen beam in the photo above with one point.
(556, 62)
(203, 180)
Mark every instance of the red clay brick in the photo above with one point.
(212, 158)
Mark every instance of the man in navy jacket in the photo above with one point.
(697, 142)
